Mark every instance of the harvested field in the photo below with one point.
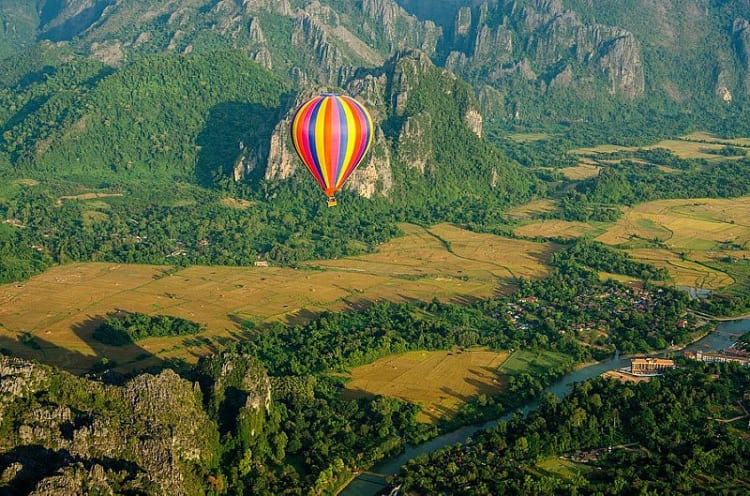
(554, 228)
(685, 225)
(683, 272)
(710, 138)
(61, 307)
(581, 171)
(528, 137)
(439, 381)
(683, 234)
(531, 209)
(692, 146)
(446, 255)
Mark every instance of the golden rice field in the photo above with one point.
(692, 231)
(445, 256)
(555, 228)
(688, 225)
(708, 137)
(691, 146)
(683, 272)
(62, 306)
(531, 209)
(438, 381)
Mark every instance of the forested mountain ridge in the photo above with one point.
(211, 117)
(530, 62)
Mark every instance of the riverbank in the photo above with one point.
(718, 338)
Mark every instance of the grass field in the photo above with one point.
(565, 469)
(527, 137)
(61, 307)
(439, 381)
(532, 362)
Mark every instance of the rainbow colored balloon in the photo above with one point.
(331, 134)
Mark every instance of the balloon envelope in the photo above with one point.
(331, 134)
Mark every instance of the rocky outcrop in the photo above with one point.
(387, 93)
(406, 70)
(79, 436)
(282, 159)
(373, 176)
(78, 479)
(741, 38)
(18, 379)
(620, 60)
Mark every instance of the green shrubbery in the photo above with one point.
(124, 329)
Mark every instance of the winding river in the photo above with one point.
(368, 484)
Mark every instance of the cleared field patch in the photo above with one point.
(708, 137)
(85, 196)
(554, 228)
(439, 381)
(61, 307)
(560, 467)
(25, 182)
(689, 149)
(532, 209)
(528, 137)
(581, 171)
(237, 203)
(622, 278)
(593, 150)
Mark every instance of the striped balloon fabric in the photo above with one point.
(331, 134)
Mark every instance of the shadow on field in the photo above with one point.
(98, 358)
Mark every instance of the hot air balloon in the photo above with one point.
(331, 134)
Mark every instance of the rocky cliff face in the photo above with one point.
(542, 37)
(373, 176)
(386, 92)
(320, 41)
